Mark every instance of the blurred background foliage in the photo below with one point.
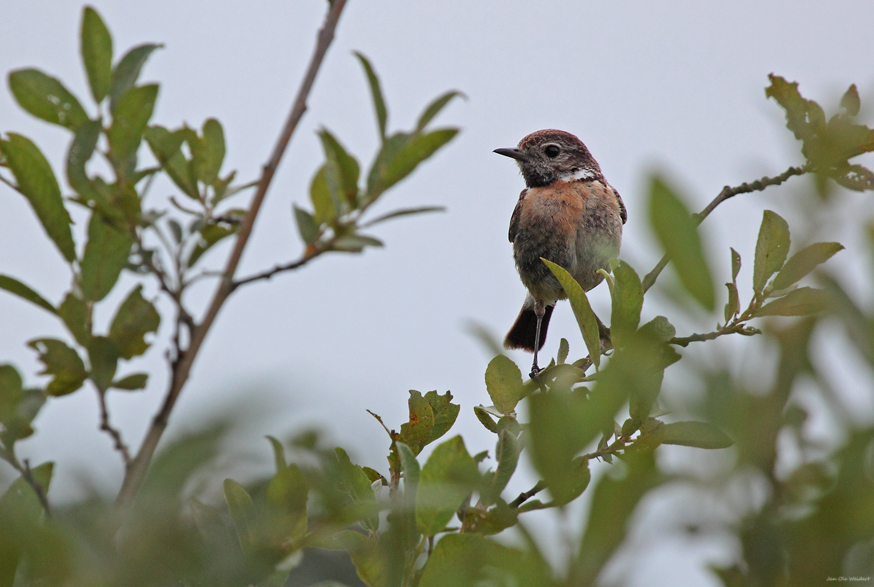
(793, 509)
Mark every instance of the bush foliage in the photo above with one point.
(413, 520)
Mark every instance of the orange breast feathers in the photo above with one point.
(564, 206)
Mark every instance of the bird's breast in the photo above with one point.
(574, 224)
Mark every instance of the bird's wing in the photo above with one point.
(623, 213)
(514, 219)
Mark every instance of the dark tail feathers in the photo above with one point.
(521, 335)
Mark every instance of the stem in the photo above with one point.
(10, 184)
(24, 471)
(118, 443)
(185, 358)
(525, 496)
(726, 193)
(308, 256)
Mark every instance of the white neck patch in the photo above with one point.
(579, 174)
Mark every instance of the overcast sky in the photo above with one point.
(671, 86)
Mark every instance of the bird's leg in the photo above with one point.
(539, 311)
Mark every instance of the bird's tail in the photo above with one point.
(521, 335)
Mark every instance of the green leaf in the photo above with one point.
(355, 243)
(166, 147)
(403, 519)
(434, 108)
(77, 318)
(62, 363)
(14, 286)
(586, 319)
(376, 94)
(735, 265)
(507, 457)
(627, 302)
(469, 560)
(659, 329)
(431, 417)
(696, 434)
(278, 453)
(103, 356)
(771, 248)
(21, 412)
(485, 419)
(96, 53)
(37, 182)
(366, 556)
(356, 483)
(446, 480)
(563, 350)
(410, 467)
(797, 108)
(416, 150)
(561, 424)
(613, 504)
(132, 382)
(243, 513)
(850, 101)
(126, 72)
(11, 392)
(306, 225)
(800, 302)
(208, 153)
(323, 201)
(341, 170)
(678, 235)
(403, 212)
(733, 304)
(129, 120)
(106, 254)
(46, 98)
(20, 513)
(81, 150)
(458, 561)
(210, 236)
(286, 511)
(504, 383)
(136, 317)
(803, 262)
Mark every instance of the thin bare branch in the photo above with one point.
(303, 260)
(726, 193)
(118, 443)
(185, 358)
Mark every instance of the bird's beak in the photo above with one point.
(511, 153)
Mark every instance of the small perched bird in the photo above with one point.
(568, 214)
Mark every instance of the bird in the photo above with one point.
(567, 214)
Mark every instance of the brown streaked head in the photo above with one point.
(550, 155)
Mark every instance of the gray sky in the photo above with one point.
(675, 86)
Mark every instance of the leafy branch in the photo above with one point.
(135, 474)
(726, 193)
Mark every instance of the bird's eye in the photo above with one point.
(552, 151)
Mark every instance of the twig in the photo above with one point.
(729, 329)
(526, 495)
(137, 471)
(25, 472)
(37, 488)
(726, 193)
(119, 444)
(10, 184)
(308, 256)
